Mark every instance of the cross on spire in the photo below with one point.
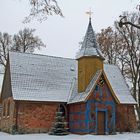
(89, 13)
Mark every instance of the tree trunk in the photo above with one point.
(135, 89)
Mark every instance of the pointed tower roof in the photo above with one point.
(89, 45)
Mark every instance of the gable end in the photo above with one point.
(6, 86)
(109, 86)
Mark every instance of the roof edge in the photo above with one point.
(93, 87)
(41, 55)
(109, 85)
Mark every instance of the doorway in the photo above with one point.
(101, 123)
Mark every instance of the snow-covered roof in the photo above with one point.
(79, 97)
(116, 80)
(89, 45)
(41, 78)
(118, 84)
(48, 78)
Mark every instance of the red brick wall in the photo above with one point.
(35, 117)
(125, 118)
(27, 117)
(77, 118)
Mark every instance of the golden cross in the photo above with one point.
(89, 13)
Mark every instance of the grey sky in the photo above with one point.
(62, 35)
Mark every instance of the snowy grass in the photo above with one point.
(125, 136)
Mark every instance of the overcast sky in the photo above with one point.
(62, 35)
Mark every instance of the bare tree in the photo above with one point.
(113, 47)
(124, 21)
(25, 41)
(121, 46)
(41, 9)
(109, 43)
(131, 36)
(5, 45)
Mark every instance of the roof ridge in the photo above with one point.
(42, 55)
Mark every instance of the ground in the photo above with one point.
(125, 136)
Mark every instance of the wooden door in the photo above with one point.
(101, 123)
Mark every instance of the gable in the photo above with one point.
(102, 92)
(6, 86)
(103, 84)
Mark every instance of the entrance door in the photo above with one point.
(101, 123)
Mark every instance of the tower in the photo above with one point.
(90, 59)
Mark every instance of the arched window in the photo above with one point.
(4, 109)
(8, 108)
(0, 111)
(63, 110)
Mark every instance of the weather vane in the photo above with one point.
(89, 13)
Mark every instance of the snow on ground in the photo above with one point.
(125, 136)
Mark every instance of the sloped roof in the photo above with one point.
(118, 84)
(115, 79)
(41, 78)
(48, 78)
(89, 45)
(79, 97)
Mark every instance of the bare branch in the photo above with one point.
(41, 9)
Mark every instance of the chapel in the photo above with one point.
(92, 95)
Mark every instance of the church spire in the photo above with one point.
(90, 59)
(89, 45)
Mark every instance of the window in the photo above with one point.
(8, 108)
(4, 109)
(0, 111)
(62, 109)
(101, 82)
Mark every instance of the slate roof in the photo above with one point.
(89, 45)
(41, 78)
(48, 78)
